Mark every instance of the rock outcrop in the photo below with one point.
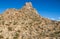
(26, 23)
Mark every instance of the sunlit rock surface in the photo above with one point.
(26, 23)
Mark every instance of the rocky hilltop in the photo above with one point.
(26, 23)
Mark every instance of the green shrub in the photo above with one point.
(16, 36)
(14, 23)
(1, 36)
(10, 28)
(3, 22)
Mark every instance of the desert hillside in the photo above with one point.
(26, 23)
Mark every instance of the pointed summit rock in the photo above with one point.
(28, 5)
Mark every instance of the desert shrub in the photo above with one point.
(18, 31)
(7, 38)
(7, 24)
(10, 22)
(3, 22)
(16, 36)
(0, 18)
(1, 36)
(22, 23)
(0, 31)
(10, 28)
(14, 23)
(55, 34)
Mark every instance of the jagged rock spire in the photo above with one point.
(28, 5)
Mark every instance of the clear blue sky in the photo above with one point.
(46, 8)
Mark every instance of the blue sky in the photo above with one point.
(46, 8)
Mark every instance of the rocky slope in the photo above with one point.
(26, 23)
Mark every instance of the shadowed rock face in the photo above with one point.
(26, 23)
